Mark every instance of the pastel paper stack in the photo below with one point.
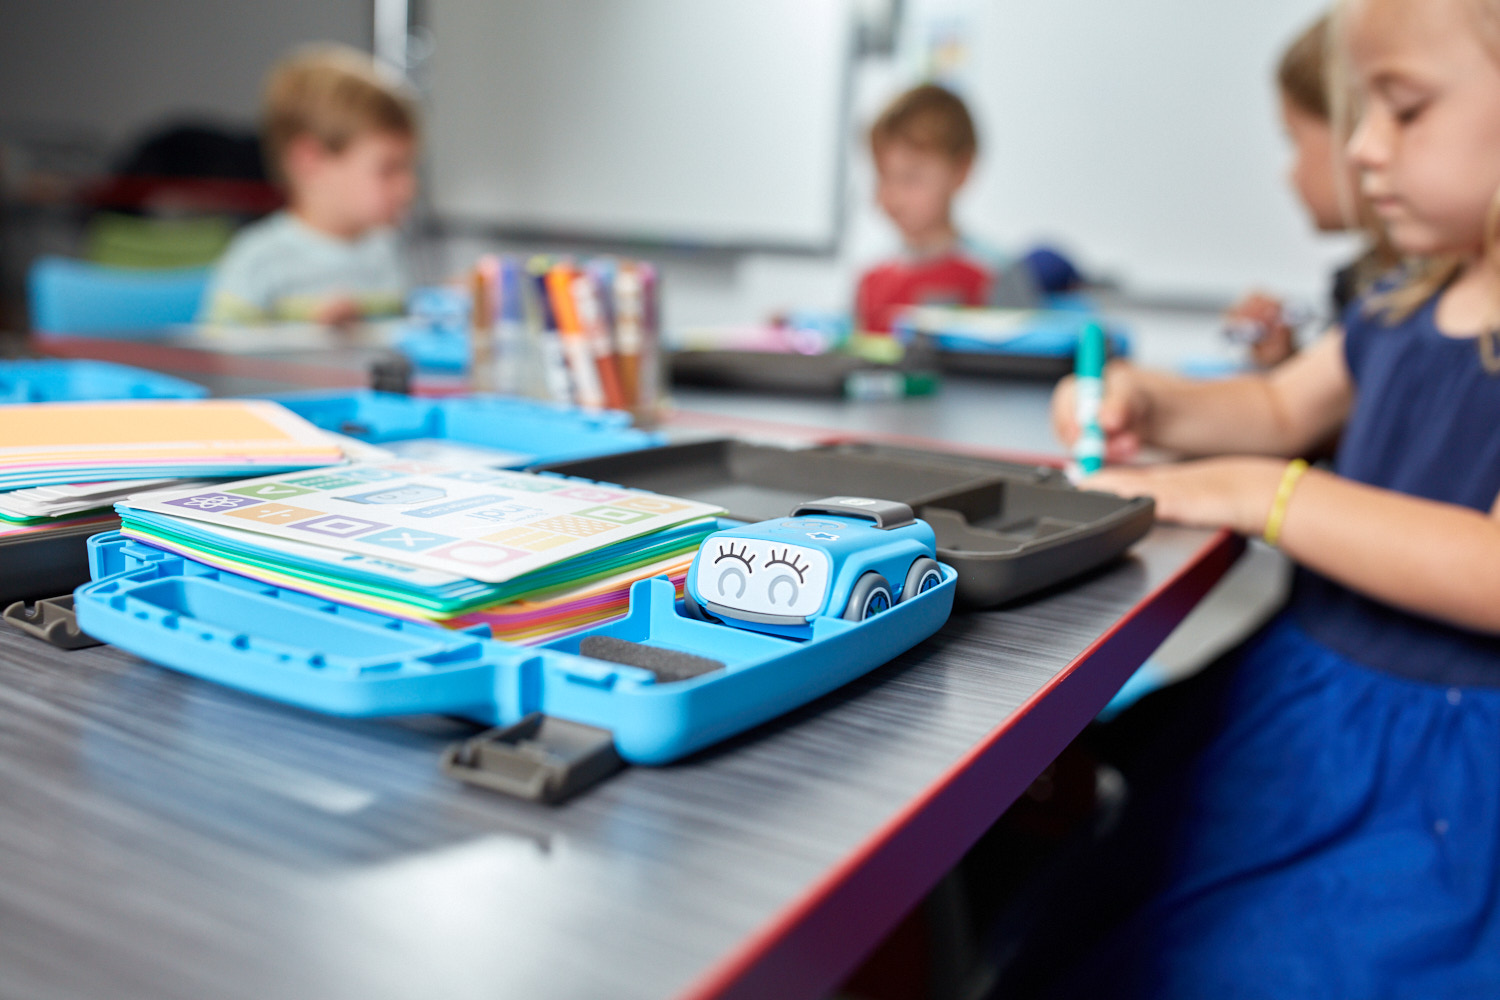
(44, 444)
(62, 465)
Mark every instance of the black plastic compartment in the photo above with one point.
(1008, 529)
(1000, 364)
(758, 371)
(34, 566)
(757, 482)
(1009, 538)
(1038, 475)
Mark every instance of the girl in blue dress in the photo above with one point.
(1339, 835)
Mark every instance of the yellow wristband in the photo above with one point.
(1289, 479)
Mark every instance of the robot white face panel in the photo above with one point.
(763, 577)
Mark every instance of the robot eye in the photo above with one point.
(724, 578)
(791, 561)
(743, 555)
(784, 578)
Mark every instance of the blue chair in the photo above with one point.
(71, 296)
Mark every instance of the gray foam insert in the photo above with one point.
(667, 664)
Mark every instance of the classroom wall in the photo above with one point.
(1142, 137)
(1146, 133)
(112, 67)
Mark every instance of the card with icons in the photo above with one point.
(476, 522)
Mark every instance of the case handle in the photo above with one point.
(540, 758)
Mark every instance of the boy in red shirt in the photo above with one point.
(924, 147)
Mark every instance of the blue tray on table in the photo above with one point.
(528, 430)
(51, 380)
(571, 718)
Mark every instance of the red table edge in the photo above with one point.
(809, 947)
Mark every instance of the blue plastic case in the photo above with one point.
(536, 431)
(332, 658)
(436, 350)
(61, 381)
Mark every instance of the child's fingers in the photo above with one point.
(1064, 417)
(1122, 447)
(1256, 307)
(1121, 482)
(1115, 412)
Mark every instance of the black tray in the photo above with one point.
(1000, 364)
(758, 371)
(1037, 475)
(50, 565)
(1008, 529)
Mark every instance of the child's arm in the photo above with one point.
(1286, 412)
(226, 307)
(1435, 559)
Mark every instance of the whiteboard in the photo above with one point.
(708, 122)
(1145, 137)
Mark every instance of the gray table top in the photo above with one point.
(163, 837)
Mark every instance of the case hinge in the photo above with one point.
(51, 620)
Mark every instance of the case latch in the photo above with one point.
(51, 620)
(539, 758)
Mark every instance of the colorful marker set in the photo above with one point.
(580, 333)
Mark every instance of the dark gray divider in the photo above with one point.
(1009, 529)
(34, 566)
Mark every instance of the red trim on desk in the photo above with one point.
(810, 946)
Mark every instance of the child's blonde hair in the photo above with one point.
(930, 118)
(334, 94)
(1420, 278)
(1307, 78)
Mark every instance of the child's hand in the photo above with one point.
(341, 311)
(1122, 413)
(1234, 493)
(1273, 341)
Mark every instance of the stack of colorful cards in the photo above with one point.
(43, 444)
(43, 508)
(63, 464)
(533, 556)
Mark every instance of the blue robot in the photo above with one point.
(844, 557)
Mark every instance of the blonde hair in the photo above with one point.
(335, 94)
(1419, 278)
(1307, 76)
(931, 118)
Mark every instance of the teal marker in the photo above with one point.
(1088, 450)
